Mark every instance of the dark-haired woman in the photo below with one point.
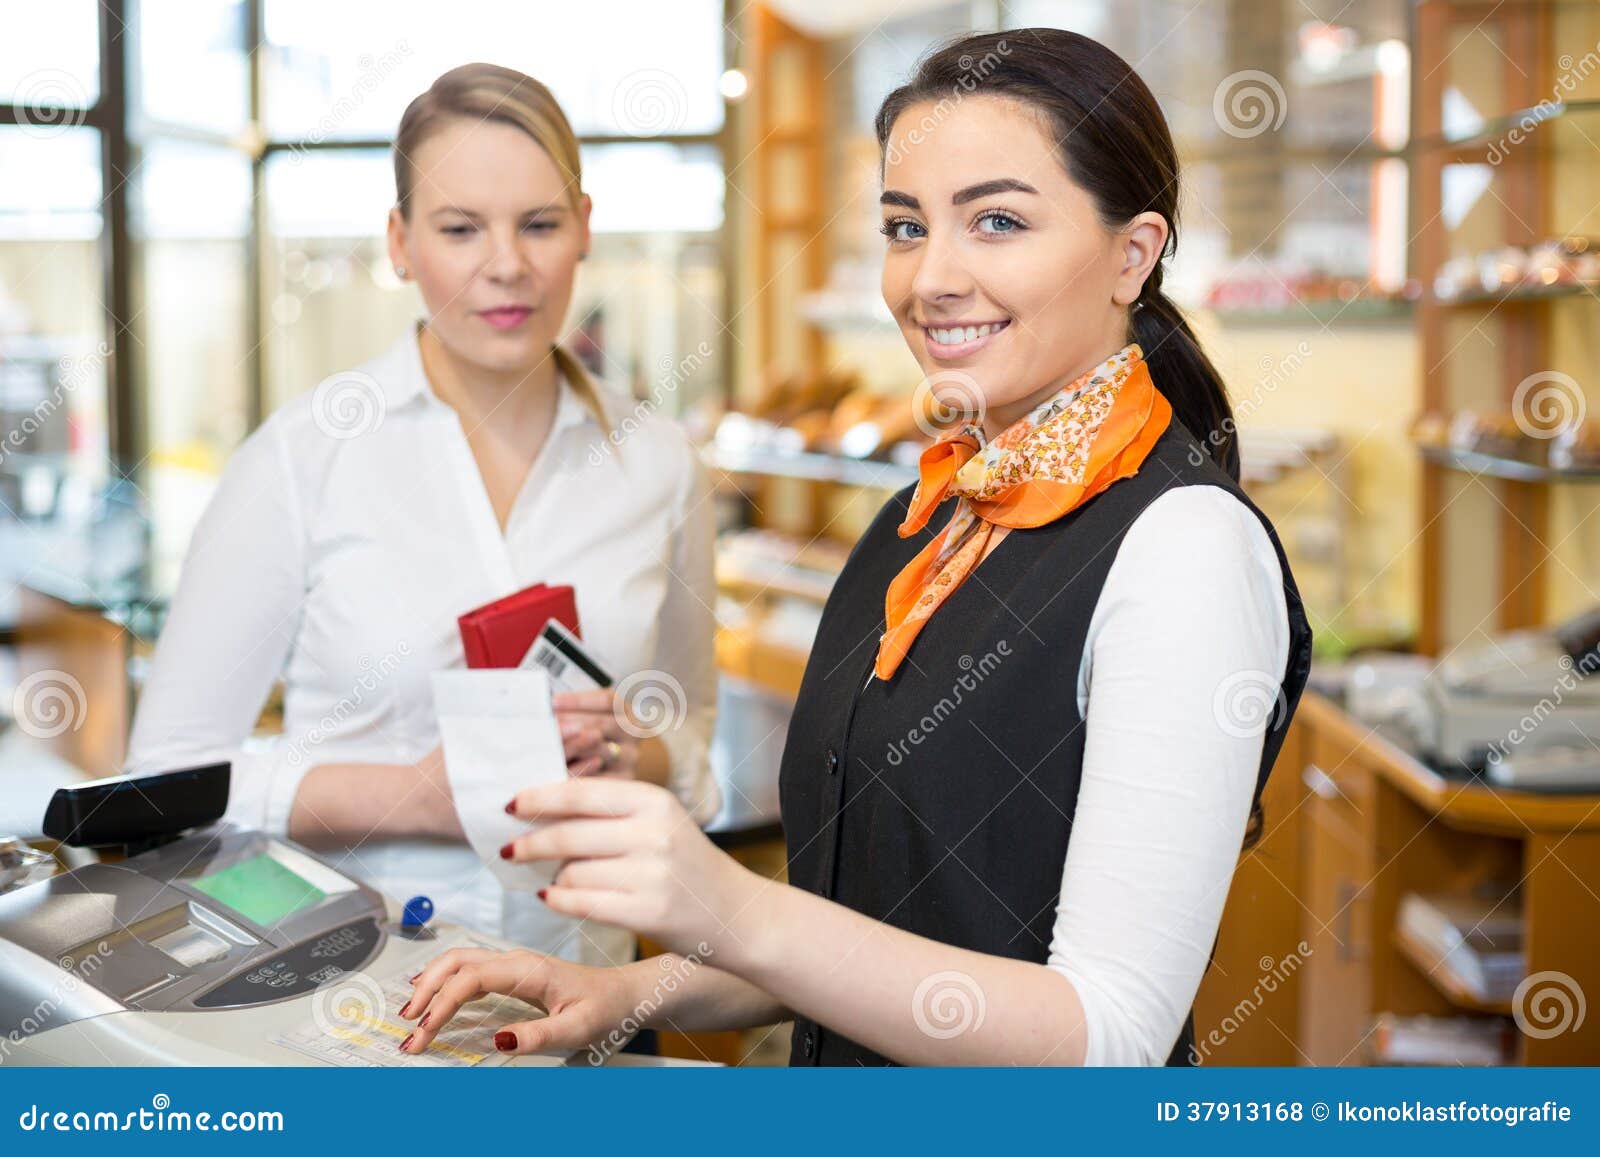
(1048, 685)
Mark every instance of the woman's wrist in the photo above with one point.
(427, 809)
(653, 988)
(750, 942)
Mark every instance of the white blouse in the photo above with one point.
(347, 535)
(1181, 669)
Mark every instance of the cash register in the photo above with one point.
(208, 944)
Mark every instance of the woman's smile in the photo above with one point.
(952, 341)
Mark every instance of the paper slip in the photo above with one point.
(500, 736)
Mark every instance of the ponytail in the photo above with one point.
(582, 384)
(1184, 374)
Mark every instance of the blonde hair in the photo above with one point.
(488, 92)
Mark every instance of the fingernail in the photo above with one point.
(505, 1041)
(507, 852)
(405, 1009)
(541, 892)
(511, 808)
(426, 1017)
(414, 979)
(407, 1041)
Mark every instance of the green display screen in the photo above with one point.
(260, 889)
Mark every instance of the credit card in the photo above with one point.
(561, 654)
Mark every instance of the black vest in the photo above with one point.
(941, 802)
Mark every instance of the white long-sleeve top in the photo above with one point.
(346, 536)
(1183, 661)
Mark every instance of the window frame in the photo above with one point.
(110, 114)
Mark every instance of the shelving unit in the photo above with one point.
(1483, 555)
(1459, 996)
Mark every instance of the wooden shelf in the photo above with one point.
(1359, 311)
(1526, 120)
(1453, 990)
(814, 466)
(1496, 466)
(744, 654)
(1479, 297)
(793, 582)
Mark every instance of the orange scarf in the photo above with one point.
(1067, 450)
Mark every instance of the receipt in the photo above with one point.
(500, 736)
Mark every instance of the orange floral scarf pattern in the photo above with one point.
(1093, 432)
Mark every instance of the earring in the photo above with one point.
(400, 272)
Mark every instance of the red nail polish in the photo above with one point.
(426, 1017)
(507, 852)
(414, 979)
(405, 1009)
(505, 1041)
(541, 893)
(407, 1041)
(511, 808)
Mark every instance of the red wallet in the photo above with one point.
(498, 634)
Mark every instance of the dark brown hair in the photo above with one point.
(1114, 142)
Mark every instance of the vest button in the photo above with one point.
(808, 1044)
(833, 762)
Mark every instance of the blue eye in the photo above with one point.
(900, 229)
(1002, 222)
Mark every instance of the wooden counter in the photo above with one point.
(1309, 954)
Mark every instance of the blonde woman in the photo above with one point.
(360, 520)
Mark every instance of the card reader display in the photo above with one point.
(260, 889)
